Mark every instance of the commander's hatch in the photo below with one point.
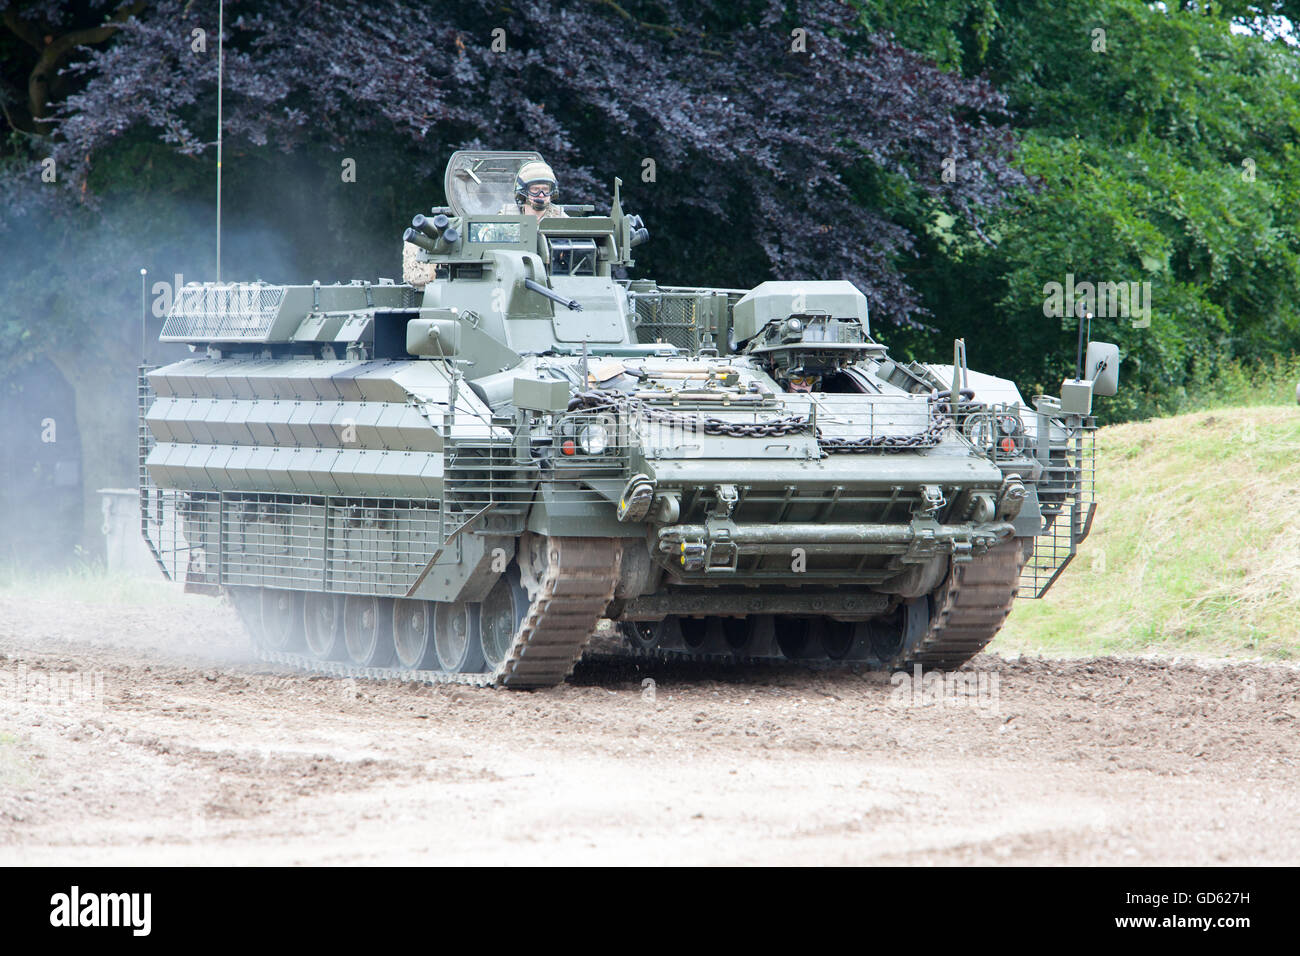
(480, 182)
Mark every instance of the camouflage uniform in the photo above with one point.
(414, 272)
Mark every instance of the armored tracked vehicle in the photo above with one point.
(459, 482)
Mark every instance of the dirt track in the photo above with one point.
(197, 754)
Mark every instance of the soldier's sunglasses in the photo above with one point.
(539, 191)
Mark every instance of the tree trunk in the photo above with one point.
(104, 384)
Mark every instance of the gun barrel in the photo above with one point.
(552, 295)
(420, 239)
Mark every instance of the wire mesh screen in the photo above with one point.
(1067, 499)
(485, 471)
(181, 529)
(379, 545)
(668, 318)
(273, 541)
(211, 310)
(322, 543)
(297, 542)
(588, 452)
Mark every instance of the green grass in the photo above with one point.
(89, 582)
(1238, 385)
(15, 770)
(1194, 549)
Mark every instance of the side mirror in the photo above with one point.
(433, 337)
(1101, 366)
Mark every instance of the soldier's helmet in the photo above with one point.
(802, 379)
(533, 174)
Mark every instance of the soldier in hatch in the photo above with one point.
(802, 381)
(799, 380)
(415, 272)
(794, 378)
(535, 192)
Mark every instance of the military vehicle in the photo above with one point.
(460, 482)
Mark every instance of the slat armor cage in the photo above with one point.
(331, 543)
(350, 544)
(1068, 500)
(223, 312)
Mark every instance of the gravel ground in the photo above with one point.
(178, 747)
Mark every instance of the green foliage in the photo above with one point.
(953, 33)
(1164, 150)
(1242, 384)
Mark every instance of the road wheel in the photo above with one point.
(368, 630)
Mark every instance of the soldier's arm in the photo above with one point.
(415, 272)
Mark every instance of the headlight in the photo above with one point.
(593, 439)
(980, 432)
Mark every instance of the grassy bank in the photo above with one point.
(1241, 386)
(1195, 548)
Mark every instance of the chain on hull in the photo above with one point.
(940, 421)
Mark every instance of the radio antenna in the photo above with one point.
(1085, 335)
(221, 62)
(144, 311)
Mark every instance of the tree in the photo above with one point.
(1163, 144)
(43, 37)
